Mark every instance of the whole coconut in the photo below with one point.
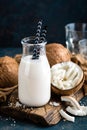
(8, 72)
(57, 53)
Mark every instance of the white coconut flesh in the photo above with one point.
(66, 75)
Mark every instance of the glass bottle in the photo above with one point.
(34, 88)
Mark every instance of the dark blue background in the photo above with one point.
(18, 18)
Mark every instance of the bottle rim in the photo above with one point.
(31, 41)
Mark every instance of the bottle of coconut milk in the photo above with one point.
(34, 75)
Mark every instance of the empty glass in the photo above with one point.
(74, 33)
(83, 48)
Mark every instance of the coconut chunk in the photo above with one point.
(76, 112)
(66, 116)
(72, 100)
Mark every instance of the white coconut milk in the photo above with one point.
(34, 81)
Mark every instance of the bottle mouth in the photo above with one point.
(31, 41)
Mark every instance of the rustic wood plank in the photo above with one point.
(46, 115)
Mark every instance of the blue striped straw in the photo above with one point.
(43, 34)
(36, 50)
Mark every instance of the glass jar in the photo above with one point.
(74, 33)
(34, 77)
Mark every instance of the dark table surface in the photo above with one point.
(8, 123)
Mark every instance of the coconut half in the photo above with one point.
(66, 78)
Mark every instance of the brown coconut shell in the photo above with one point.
(78, 59)
(18, 58)
(8, 72)
(57, 53)
(68, 92)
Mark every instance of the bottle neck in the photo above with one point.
(29, 49)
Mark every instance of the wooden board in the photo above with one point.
(46, 115)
